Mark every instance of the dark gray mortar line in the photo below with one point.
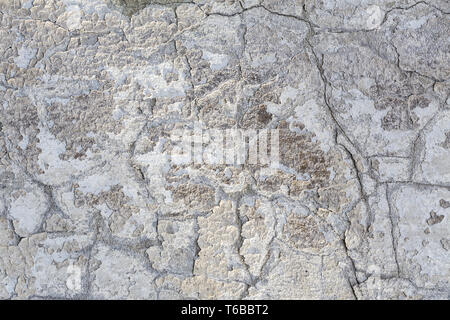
(394, 227)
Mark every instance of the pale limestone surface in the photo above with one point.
(91, 206)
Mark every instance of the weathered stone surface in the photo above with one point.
(93, 205)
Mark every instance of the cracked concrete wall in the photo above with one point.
(91, 207)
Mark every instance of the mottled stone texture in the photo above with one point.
(90, 91)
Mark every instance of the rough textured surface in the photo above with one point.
(92, 207)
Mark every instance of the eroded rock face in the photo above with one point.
(93, 205)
